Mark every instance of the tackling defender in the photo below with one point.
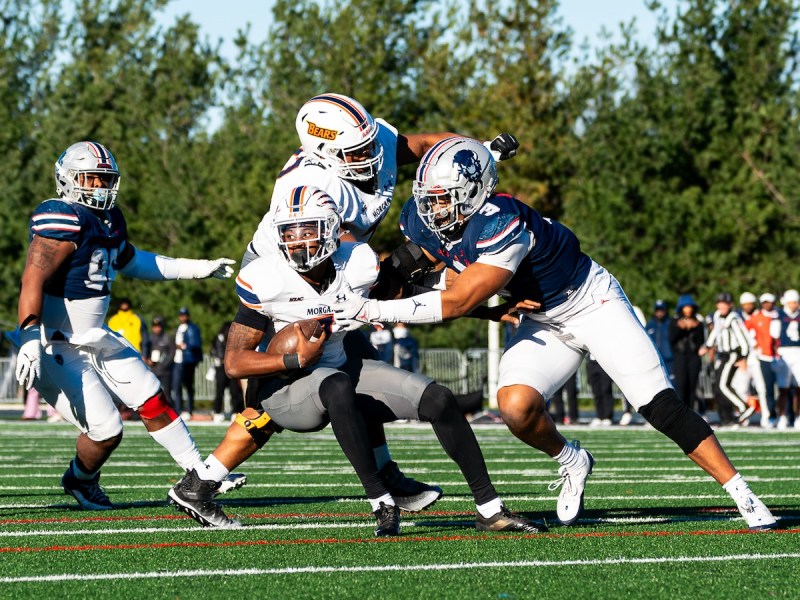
(497, 244)
(321, 382)
(78, 243)
(354, 157)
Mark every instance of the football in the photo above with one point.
(285, 341)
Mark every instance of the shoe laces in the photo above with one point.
(95, 492)
(564, 480)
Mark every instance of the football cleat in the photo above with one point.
(89, 494)
(757, 515)
(505, 520)
(572, 483)
(232, 482)
(388, 520)
(409, 495)
(195, 497)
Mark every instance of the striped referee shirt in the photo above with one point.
(729, 334)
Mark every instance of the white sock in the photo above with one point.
(176, 439)
(737, 487)
(382, 456)
(376, 502)
(213, 470)
(83, 476)
(568, 456)
(490, 508)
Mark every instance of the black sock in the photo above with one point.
(339, 398)
(438, 406)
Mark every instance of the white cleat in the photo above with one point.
(572, 483)
(756, 513)
(232, 482)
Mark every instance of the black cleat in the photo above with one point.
(505, 520)
(195, 497)
(409, 495)
(388, 520)
(89, 494)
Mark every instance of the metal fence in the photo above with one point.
(462, 372)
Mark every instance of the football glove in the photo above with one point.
(355, 312)
(503, 147)
(29, 358)
(201, 269)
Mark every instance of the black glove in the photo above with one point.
(503, 147)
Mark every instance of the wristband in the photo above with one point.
(291, 361)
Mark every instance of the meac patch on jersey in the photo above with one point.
(271, 287)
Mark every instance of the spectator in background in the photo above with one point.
(188, 353)
(221, 379)
(406, 349)
(731, 345)
(601, 385)
(748, 382)
(160, 354)
(658, 330)
(128, 324)
(786, 330)
(570, 388)
(759, 326)
(383, 342)
(686, 335)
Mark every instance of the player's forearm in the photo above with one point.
(240, 364)
(29, 309)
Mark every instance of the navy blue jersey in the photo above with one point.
(553, 269)
(98, 236)
(790, 329)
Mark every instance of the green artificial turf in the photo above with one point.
(655, 526)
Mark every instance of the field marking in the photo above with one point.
(399, 568)
(373, 540)
(447, 498)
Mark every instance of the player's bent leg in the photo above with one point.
(692, 434)
(438, 406)
(524, 411)
(81, 480)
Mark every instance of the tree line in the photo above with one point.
(675, 162)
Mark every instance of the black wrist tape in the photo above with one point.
(291, 361)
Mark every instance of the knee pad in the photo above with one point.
(156, 406)
(678, 422)
(436, 400)
(258, 425)
(339, 387)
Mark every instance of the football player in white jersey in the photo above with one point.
(320, 382)
(498, 244)
(78, 244)
(354, 158)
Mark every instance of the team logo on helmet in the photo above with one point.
(321, 132)
(468, 165)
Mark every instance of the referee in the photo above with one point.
(730, 345)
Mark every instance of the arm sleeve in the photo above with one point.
(509, 256)
(251, 318)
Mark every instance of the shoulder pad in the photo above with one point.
(56, 219)
(258, 283)
(359, 264)
(498, 231)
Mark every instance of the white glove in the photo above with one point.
(201, 269)
(355, 312)
(29, 359)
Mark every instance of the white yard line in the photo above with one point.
(402, 568)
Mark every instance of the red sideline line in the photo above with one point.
(397, 540)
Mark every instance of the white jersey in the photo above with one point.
(361, 212)
(272, 288)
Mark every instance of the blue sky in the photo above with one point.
(221, 20)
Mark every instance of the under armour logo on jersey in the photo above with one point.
(468, 165)
(341, 297)
(416, 305)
